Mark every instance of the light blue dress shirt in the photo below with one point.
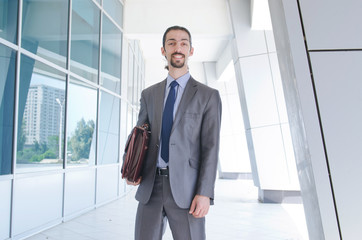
(182, 81)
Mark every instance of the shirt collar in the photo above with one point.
(182, 81)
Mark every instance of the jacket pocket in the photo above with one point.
(195, 164)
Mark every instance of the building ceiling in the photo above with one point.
(207, 20)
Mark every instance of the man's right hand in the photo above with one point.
(134, 183)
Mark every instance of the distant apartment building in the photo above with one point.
(42, 113)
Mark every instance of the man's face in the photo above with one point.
(177, 48)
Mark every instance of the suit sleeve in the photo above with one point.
(209, 143)
(142, 115)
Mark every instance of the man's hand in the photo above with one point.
(200, 206)
(134, 183)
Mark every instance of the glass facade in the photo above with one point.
(108, 146)
(45, 29)
(85, 39)
(7, 86)
(115, 9)
(68, 106)
(111, 56)
(135, 77)
(62, 127)
(8, 20)
(41, 111)
(82, 121)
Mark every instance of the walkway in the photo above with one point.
(236, 215)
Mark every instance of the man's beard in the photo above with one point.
(176, 63)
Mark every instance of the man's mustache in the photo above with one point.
(178, 54)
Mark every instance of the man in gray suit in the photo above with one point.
(179, 172)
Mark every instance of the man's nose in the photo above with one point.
(178, 47)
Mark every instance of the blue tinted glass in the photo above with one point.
(81, 124)
(41, 111)
(45, 28)
(8, 20)
(85, 39)
(115, 9)
(108, 145)
(7, 83)
(111, 56)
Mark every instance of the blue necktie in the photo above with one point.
(167, 121)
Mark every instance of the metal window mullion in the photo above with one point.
(67, 82)
(97, 4)
(66, 104)
(120, 160)
(98, 100)
(16, 115)
(9, 44)
(43, 60)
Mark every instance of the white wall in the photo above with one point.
(107, 183)
(5, 206)
(322, 82)
(79, 192)
(37, 203)
(337, 78)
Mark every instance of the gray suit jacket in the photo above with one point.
(194, 141)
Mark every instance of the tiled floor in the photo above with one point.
(236, 215)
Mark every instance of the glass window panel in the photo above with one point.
(7, 85)
(81, 124)
(136, 49)
(129, 119)
(111, 83)
(108, 145)
(45, 29)
(85, 39)
(40, 116)
(130, 75)
(115, 9)
(8, 20)
(135, 101)
(111, 56)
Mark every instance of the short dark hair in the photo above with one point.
(175, 28)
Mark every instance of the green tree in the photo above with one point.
(40, 148)
(36, 147)
(49, 155)
(81, 140)
(53, 144)
(21, 137)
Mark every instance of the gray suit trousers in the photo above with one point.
(151, 217)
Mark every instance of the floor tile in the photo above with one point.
(236, 215)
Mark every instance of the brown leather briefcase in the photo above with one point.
(136, 150)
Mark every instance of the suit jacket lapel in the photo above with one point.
(190, 91)
(159, 98)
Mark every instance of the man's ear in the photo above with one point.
(191, 52)
(163, 51)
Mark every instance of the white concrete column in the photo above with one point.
(263, 106)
